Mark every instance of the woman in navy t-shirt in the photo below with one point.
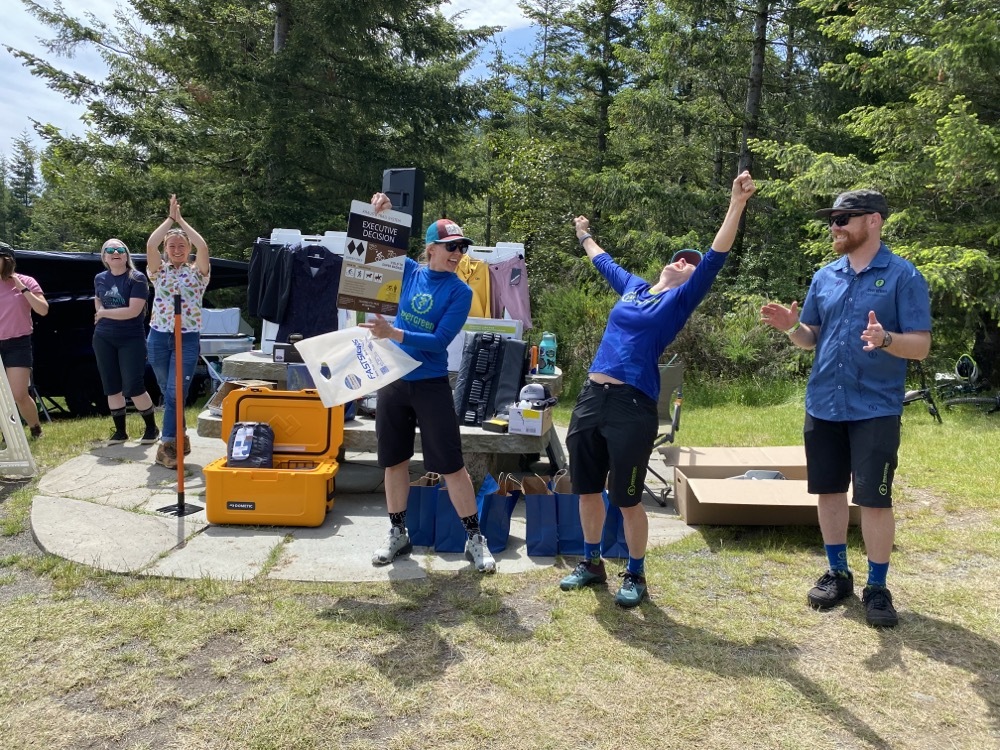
(120, 294)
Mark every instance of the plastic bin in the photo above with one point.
(299, 490)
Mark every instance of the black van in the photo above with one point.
(62, 340)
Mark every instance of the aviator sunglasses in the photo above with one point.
(844, 219)
(116, 250)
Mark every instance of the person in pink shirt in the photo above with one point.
(20, 295)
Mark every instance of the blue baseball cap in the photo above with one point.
(693, 257)
(445, 230)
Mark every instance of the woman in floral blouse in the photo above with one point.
(171, 274)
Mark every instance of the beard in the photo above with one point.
(845, 244)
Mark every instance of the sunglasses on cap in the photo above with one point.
(116, 250)
(461, 247)
(844, 219)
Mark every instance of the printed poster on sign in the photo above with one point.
(374, 257)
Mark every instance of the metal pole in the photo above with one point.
(181, 509)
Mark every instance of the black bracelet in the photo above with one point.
(585, 237)
(24, 290)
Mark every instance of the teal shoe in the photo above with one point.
(632, 591)
(584, 574)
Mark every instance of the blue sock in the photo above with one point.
(636, 566)
(877, 573)
(836, 554)
(592, 552)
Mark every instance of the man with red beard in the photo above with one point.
(866, 314)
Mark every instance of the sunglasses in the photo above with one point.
(116, 250)
(844, 219)
(452, 247)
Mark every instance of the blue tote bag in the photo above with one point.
(541, 526)
(421, 509)
(568, 527)
(496, 506)
(613, 542)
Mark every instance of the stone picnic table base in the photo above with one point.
(484, 452)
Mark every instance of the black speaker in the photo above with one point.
(405, 188)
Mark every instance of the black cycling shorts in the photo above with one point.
(865, 452)
(428, 404)
(610, 440)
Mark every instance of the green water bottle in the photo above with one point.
(547, 354)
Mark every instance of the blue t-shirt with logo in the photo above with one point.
(433, 307)
(641, 325)
(116, 292)
(847, 383)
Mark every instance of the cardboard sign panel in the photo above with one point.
(374, 256)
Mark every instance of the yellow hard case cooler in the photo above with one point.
(299, 490)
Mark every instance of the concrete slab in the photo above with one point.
(230, 553)
(104, 537)
(341, 549)
(102, 509)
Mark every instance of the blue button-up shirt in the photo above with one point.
(847, 383)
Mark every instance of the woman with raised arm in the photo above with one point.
(614, 422)
(172, 274)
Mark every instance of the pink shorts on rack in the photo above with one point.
(509, 290)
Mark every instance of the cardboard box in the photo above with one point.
(299, 489)
(529, 421)
(705, 492)
(768, 457)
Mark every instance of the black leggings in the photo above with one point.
(122, 364)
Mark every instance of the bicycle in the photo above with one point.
(923, 393)
(990, 404)
(964, 382)
(966, 388)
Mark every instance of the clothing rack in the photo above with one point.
(503, 251)
(335, 242)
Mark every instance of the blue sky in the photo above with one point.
(24, 97)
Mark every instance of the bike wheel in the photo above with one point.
(983, 402)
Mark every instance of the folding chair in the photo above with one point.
(668, 410)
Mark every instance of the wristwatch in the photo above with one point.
(24, 290)
(886, 341)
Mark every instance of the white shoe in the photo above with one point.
(397, 542)
(479, 554)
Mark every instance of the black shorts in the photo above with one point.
(865, 452)
(428, 404)
(16, 352)
(610, 440)
(121, 362)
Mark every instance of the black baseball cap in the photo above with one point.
(693, 257)
(857, 202)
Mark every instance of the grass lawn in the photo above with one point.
(725, 655)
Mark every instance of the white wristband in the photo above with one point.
(793, 329)
(585, 237)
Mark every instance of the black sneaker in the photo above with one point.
(36, 431)
(117, 438)
(879, 611)
(150, 436)
(831, 588)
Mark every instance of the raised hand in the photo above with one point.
(381, 202)
(778, 316)
(743, 187)
(175, 209)
(874, 334)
